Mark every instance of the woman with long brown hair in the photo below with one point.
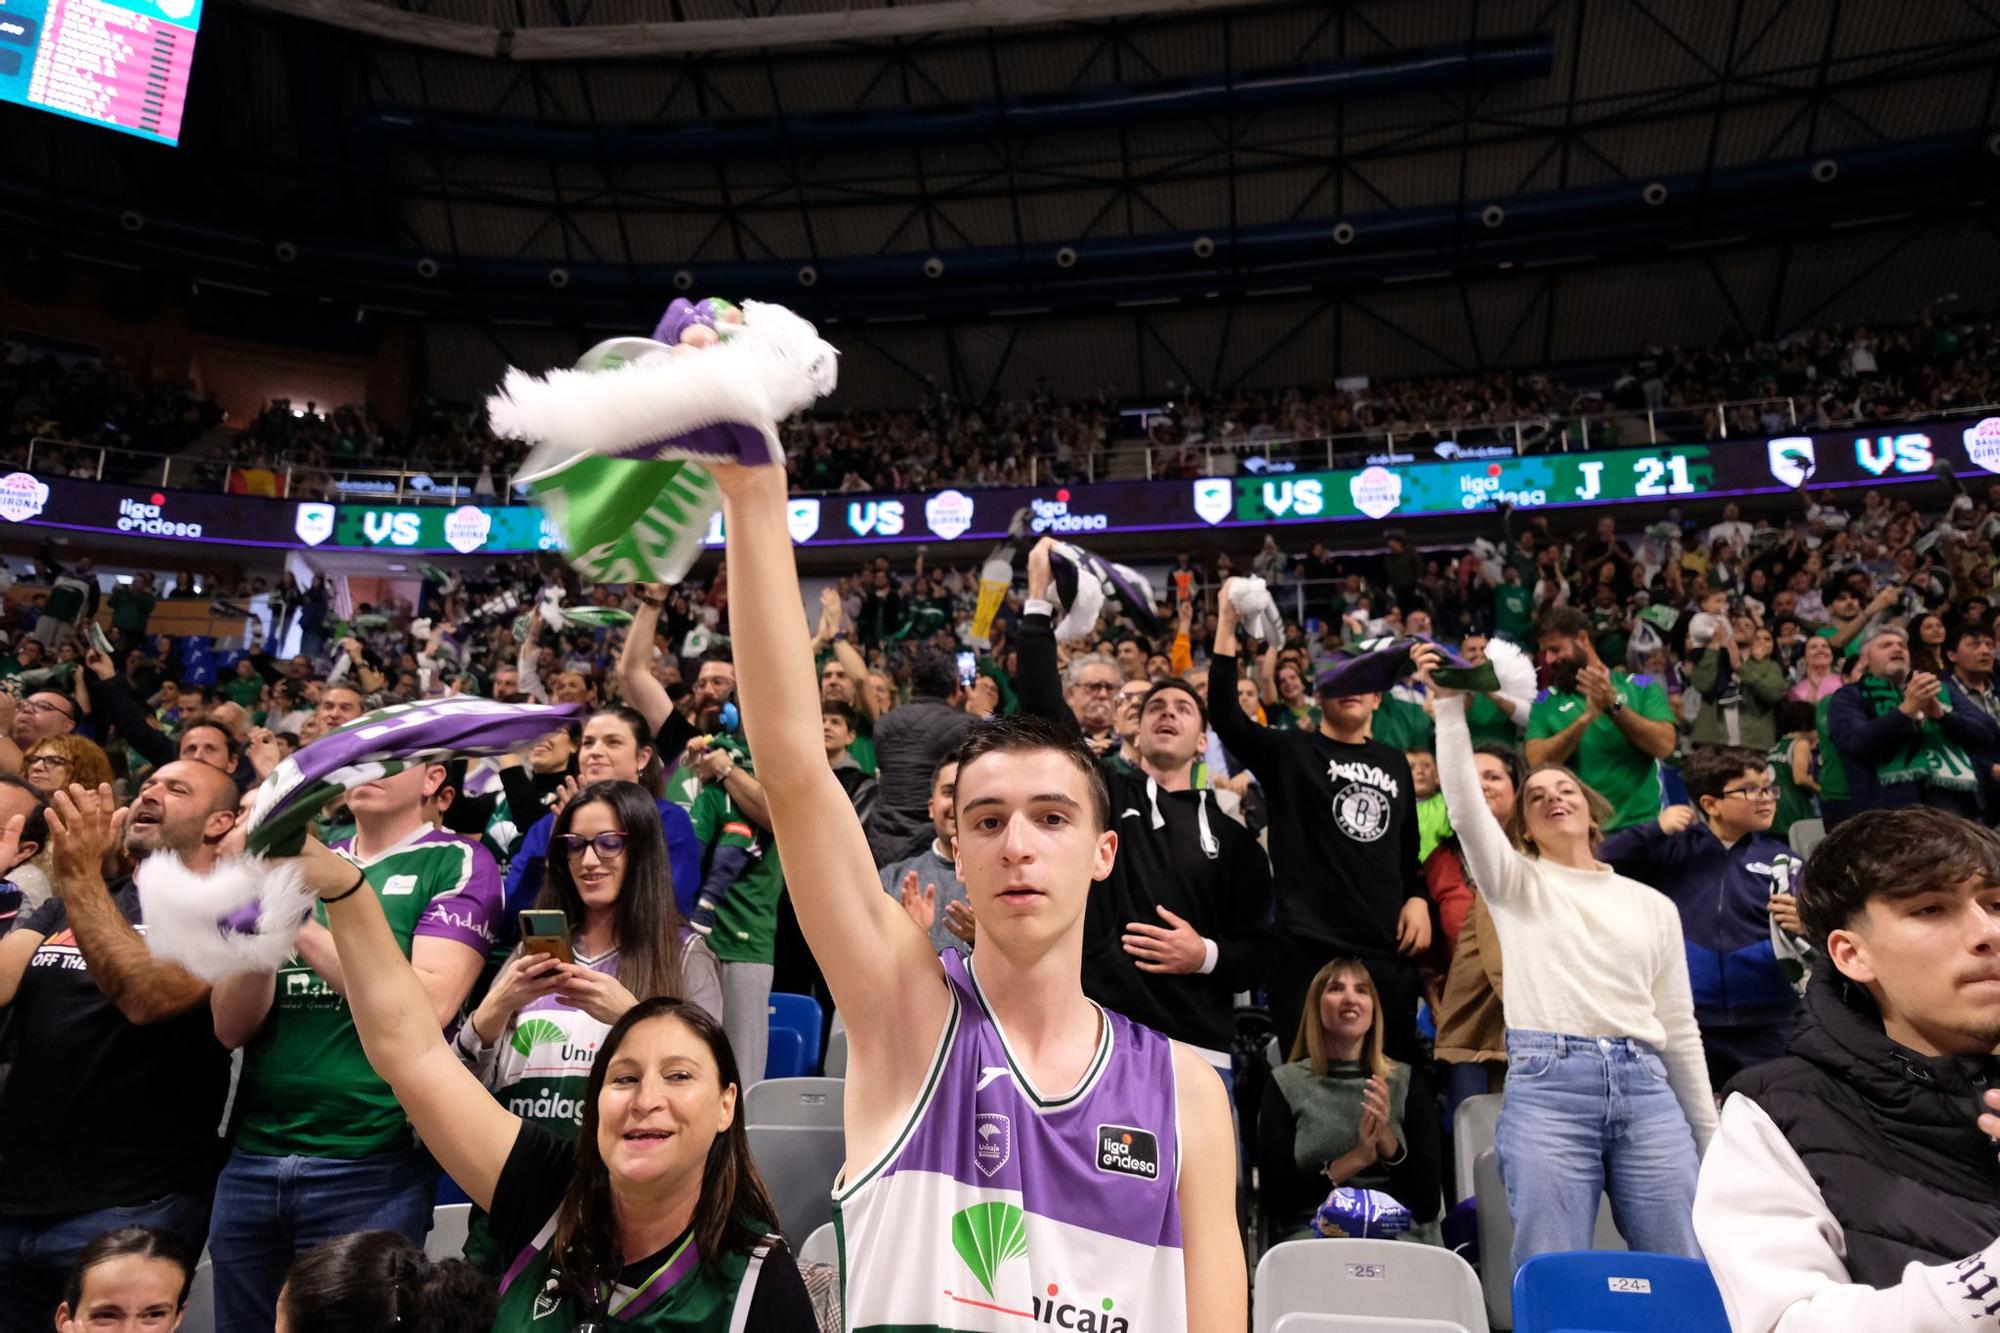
(1334, 1115)
(532, 1039)
(655, 1217)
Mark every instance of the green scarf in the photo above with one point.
(1930, 757)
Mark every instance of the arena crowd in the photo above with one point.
(1591, 893)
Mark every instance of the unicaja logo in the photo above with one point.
(987, 1236)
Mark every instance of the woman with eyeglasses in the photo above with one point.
(1606, 1088)
(1720, 871)
(654, 1218)
(532, 1039)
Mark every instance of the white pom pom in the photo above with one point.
(184, 913)
(1515, 670)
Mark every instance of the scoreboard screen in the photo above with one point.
(118, 63)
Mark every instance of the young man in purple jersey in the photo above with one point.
(972, 1199)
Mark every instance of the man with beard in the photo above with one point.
(1178, 926)
(1604, 726)
(1852, 1184)
(106, 1032)
(1908, 738)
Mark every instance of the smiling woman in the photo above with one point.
(655, 1218)
(135, 1277)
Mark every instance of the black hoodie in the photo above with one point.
(1177, 850)
(1889, 1136)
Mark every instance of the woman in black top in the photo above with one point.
(654, 1219)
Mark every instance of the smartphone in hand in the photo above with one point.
(546, 931)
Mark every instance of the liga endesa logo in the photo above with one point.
(149, 516)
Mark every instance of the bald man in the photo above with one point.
(105, 1032)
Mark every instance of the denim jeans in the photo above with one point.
(36, 1252)
(270, 1210)
(1585, 1116)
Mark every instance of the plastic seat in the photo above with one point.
(1472, 1129)
(822, 1247)
(1496, 1238)
(1365, 1282)
(811, 1102)
(449, 1224)
(1344, 1323)
(800, 1014)
(835, 1064)
(785, 1055)
(1804, 835)
(799, 1164)
(1591, 1291)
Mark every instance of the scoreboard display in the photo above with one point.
(122, 64)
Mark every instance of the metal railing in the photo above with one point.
(1135, 461)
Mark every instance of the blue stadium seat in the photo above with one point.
(800, 1014)
(786, 1056)
(1597, 1291)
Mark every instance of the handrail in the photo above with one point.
(1554, 432)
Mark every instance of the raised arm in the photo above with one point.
(1495, 865)
(468, 1132)
(115, 707)
(1254, 745)
(882, 973)
(1040, 684)
(635, 660)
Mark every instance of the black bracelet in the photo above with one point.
(360, 878)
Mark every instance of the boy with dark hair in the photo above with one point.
(1720, 870)
(1011, 1145)
(1852, 1184)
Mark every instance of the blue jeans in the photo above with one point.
(269, 1210)
(36, 1252)
(1584, 1116)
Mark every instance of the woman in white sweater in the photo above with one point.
(1606, 1087)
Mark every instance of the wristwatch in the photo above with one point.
(1617, 704)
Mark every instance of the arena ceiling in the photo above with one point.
(1089, 191)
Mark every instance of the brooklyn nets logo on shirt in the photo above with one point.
(1361, 812)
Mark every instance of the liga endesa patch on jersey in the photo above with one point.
(1125, 1151)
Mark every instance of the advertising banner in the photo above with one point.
(1454, 484)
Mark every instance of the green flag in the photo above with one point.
(630, 520)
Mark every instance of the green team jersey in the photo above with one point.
(685, 1295)
(746, 921)
(1404, 725)
(1490, 723)
(862, 750)
(308, 1089)
(1513, 612)
(1605, 760)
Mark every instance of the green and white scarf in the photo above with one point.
(1931, 757)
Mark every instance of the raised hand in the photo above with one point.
(921, 906)
(959, 921)
(565, 794)
(1676, 818)
(84, 825)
